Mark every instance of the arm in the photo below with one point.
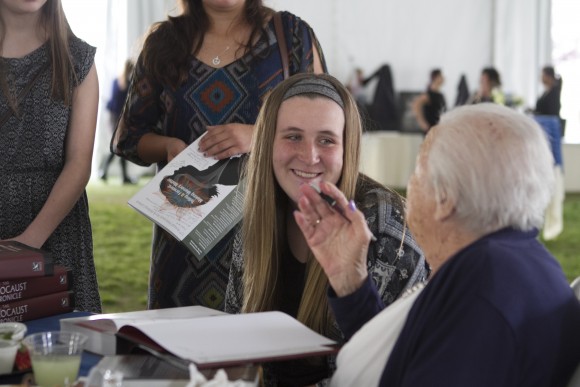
(153, 147)
(467, 357)
(74, 177)
(356, 309)
(137, 137)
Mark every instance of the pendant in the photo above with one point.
(216, 61)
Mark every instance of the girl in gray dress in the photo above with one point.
(48, 112)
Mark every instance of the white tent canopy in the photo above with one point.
(411, 36)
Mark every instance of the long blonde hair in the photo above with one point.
(266, 204)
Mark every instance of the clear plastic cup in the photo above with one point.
(8, 349)
(55, 357)
(11, 333)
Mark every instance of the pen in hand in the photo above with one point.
(332, 203)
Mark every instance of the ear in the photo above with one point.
(445, 208)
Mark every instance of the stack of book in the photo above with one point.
(31, 285)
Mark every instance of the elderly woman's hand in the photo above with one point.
(339, 243)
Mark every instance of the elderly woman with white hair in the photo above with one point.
(497, 310)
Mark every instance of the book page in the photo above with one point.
(236, 338)
(194, 198)
(111, 322)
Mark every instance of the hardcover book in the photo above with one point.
(37, 307)
(22, 288)
(18, 260)
(215, 340)
(102, 328)
(196, 199)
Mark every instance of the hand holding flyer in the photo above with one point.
(196, 199)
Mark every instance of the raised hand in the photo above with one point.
(340, 244)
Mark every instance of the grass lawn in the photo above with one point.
(122, 240)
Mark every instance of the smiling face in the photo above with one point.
(308, 145)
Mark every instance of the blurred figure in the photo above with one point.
(383, 110)
(115, 107)
(497, 309)
(356, 87)
(489, 87)
(547, 114)
(462, 91)
(429, 105)
(549, 102)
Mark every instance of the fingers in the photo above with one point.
(342, 213)
(304, 224)
(224, 141)
(218, 144)
(329, 201)
(314, 206)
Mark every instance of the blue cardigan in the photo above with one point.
(498, 313)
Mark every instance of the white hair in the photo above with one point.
(497, 166)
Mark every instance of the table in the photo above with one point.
(389, 157)
(52, 323)
(133, 366)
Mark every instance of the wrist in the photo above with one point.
(348, 283)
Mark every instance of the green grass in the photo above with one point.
(566, 248)
(122, 239)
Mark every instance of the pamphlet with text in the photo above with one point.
(196, 199)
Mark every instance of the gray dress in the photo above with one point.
(32, 151)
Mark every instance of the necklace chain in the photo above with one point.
(216, 61)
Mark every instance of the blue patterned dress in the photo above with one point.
(32, 152)
(210, 96)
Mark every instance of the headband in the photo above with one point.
(314, 85)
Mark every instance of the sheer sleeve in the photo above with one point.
(142, 114)
(301, 40)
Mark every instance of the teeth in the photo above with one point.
(305, 174)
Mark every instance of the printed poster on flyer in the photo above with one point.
(196, 199)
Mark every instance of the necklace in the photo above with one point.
(216, 61)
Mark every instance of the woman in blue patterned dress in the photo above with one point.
(48, 113)
(207, 70)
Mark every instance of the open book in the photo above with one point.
(101, 329)
(221, 340)
(196, 199)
